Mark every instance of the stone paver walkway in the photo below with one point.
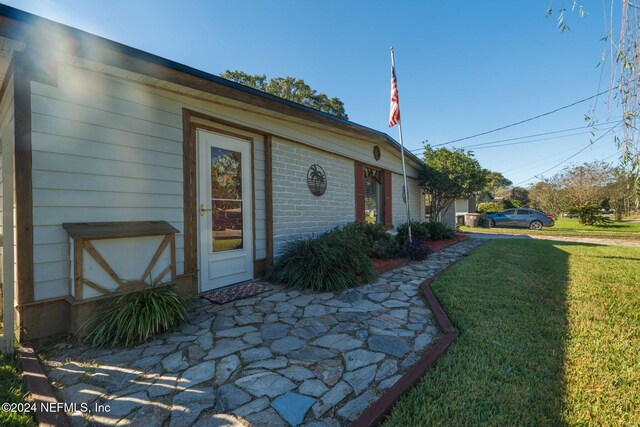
(281, 358)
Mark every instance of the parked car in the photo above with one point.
(529, 218)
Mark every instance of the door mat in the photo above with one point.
(232, 293)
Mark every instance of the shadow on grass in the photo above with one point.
(508, 300)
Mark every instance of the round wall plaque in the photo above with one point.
(317, 180)
(376, 152)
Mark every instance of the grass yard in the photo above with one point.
(571, 227)
(11, 391)
(550, 335)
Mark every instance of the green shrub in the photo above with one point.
(378, 242)
(137, 316)
(386, 248)
(419, 231)
(332, 261)
(589, 215)
(493, 207)
(415, 250)
(440, 231)
(490, 207)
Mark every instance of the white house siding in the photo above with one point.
(449, 216)
(297, 212)
(98, 157)
(462, 205)
(7, 211)
(398, 207)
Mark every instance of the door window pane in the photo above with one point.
(523, 212)
(226, 225)
(509, 212)
(226, 174)
(226, 200)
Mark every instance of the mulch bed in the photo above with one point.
(441, 244)
(382, 265)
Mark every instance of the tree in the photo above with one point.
(495, 181)
(620, 193)
(450, 175)
(290, 88)
(521, 195)
(575, 187)
(587, 183)
(547, 196)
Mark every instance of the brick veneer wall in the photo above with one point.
(297, 212)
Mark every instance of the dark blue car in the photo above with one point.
(529, 218)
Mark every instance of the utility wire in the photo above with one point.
(525, 120)
(544, 160)
(570, 157)
(482, 146)
(530, 136)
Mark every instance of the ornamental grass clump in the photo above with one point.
(137, 316)
(330, 262)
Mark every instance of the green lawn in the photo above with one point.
(550, 335)
(571, 227)
(12, 391)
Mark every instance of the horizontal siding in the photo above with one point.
(98, 158)
(352, 147)
(398, 207)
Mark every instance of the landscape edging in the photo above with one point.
(378, 410)
(38, 386)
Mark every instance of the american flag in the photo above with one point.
(394, 111)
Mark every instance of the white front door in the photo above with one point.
(224, 207)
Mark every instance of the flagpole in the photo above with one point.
(404, 168)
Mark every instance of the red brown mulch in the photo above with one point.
(382, 265)
(438, 245)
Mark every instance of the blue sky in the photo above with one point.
(463, 67)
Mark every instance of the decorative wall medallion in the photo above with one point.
(376, 152)
(317, 180)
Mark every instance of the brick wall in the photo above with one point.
(297, 212)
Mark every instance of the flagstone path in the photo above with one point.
(281, 358)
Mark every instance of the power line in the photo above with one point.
(482, 146)
(570, 157)
(530, 136)
(554, 157)
(525, 120)
(526, 167)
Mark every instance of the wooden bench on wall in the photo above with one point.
(95, 245)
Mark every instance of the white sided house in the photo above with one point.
(121, 168)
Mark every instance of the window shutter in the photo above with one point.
(359, 176)
(388, 219)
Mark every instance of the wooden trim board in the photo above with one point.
(23, 179)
